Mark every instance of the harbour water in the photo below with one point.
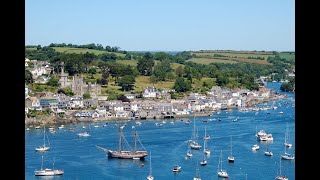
(80, 159)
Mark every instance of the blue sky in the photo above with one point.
(163, 25)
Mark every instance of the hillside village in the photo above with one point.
(150, 104)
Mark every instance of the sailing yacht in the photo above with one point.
(286, 138)
(206, 150)
(197, 176)
(221, 172)
(47, 171)
(280, 176)
(126, 154)
(193, 142)
(287, 156)
(206, 137)
(150, 177)
(204, 161)
(231, 157)
(43, 147)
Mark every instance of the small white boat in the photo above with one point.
(189, 154)
(28, 129)
(84, 134)
(255, 147)
(51, 128)
(176, 168)
(38, 127)
(268, 153)
(287, 156)
(280, 112)
(203, 162)
(96, 126)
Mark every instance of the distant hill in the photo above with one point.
(231, 56)
(80, 50)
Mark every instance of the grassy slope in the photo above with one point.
(208, 61)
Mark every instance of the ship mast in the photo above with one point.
(120, 134)
(135, 140)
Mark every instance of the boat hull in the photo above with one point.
(127, 154)
(48, 172)
(223, 174)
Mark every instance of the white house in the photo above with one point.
(36, 72)
(35, 104)
(149, 93)
(129, 96)
(122, 114)
(118, 107)
(102, 111)
(134, 107)
(95, 114)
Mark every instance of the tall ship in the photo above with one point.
(128, 153)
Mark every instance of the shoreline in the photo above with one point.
(55, 120)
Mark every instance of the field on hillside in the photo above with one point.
(240, 55)
(128, 62)
(143, 81)
(83, 50)
(135, 63)
(288, 56)
(211, 60)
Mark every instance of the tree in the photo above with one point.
(124, 98)
(53, 82)
(179, 71)
(162, 69)
(67, 91)
(147, 56)
(127, 82)
(87, 59)
(181, 85)
(86, 96)
(28, 77)
(144, 66)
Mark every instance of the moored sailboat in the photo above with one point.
(194, 141)
(221, 172)
(231, 157)
(286, 138)
(43, 147)
(150, 176)
(47, 171)
(280, 176)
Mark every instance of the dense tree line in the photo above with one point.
(90, 46)
(288, 86)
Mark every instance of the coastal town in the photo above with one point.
(149, 104)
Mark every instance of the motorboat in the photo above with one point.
(255, 147)
(176, 168)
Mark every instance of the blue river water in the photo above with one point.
(80, 159)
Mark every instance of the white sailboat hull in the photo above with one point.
(127, 154)
(223, 174)
(48, 172)
(42, 148)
